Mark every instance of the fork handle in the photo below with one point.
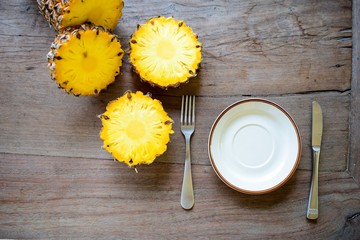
(187, 192)
(312, 210)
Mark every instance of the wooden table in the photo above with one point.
(57, 182)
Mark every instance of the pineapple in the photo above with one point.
(85, 60)
(165, 52)
(65, 13)
(136, 129)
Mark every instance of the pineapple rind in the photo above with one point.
(148, 115)
(65, 13)
(169, 71)
(67, 55)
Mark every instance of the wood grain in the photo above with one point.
(354, 158)
(71, 132)
(250, 43)
(57, 182)
(275, 47)
(44, 197)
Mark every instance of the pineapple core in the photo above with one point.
(89, 63)
(135, 129)
(166, 49)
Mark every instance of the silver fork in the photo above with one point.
(187, 126)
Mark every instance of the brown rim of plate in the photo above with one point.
(298, 139)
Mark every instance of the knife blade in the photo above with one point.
(317, 129)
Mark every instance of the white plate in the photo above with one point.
(254, 146)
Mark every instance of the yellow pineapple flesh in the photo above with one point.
(136, 129)
(65, 13)
(165, 52)
(85, 60)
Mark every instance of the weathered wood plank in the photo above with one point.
(259, 47)
(68, 126)
(44, 197)
(291, 52)
(263, 47)
(39, 119)
(354, 158)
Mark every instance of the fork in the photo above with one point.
(187, 126)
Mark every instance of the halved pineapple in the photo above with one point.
(65, 13)
(165, 52)
(136, 129)
(85, 60)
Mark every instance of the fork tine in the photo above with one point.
(190, 110)
(187, 114)
(182, 111)
(186, 110)
(193, 111)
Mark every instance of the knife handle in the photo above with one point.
(312, 209)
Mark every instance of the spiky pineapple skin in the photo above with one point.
(62, 39)
(54, 10)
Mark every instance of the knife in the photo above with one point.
(317, 129)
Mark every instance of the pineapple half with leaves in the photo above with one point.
(136, 129)
(65, 13)
(165, 52)
(85, 60)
